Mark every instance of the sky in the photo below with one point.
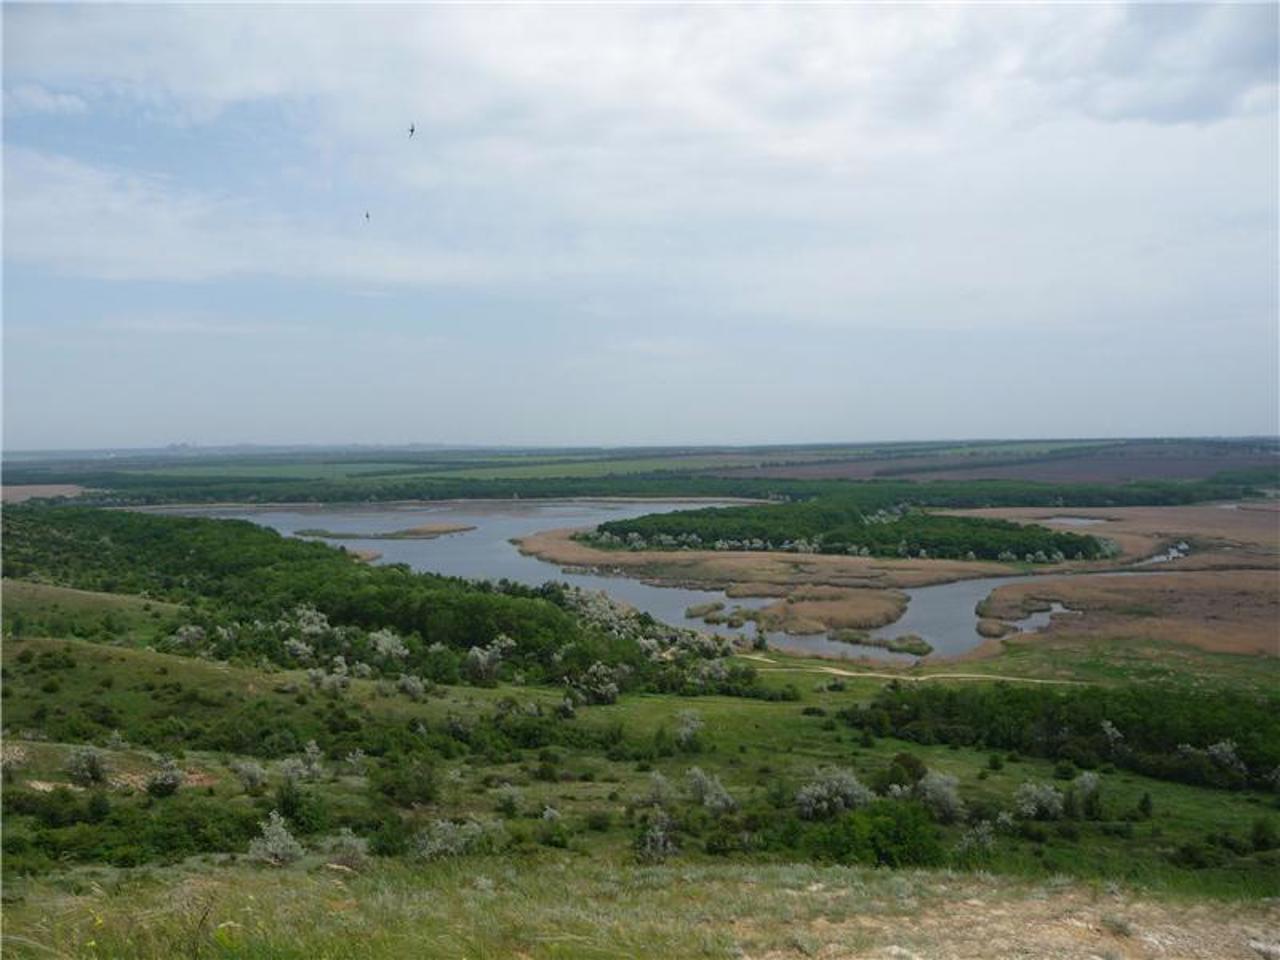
(627, 224)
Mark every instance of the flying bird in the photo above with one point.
(366, 216)
(412, 129)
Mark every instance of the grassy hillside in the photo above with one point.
(272, 755)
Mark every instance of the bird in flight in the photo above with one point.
(412, 130)
(366, 216)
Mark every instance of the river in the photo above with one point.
(944, 614)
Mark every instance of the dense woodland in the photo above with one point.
(841, 524)
(1218, 738)
(256, 595)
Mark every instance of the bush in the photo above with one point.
(831, 792)
(1264, 835)
(707, 791)
(1038, 801)
(887, 833)
(508, 800)
(442, 839)
(165, 781)
(656, 840)
(937, 791)
(87, 766)
(276, 846)
(408, 783)
(347, 850)
(252, 776)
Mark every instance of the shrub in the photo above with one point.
(1088, 787)
(976, 843)
(887, 833)
(1038, 801)
(937, 791)
(508, 802)
(276, 845)
(1146, 806)
(831, 792)
(442, 839)
(904, 770)
(87, 766)
(347, 850)
(165, 781)
(707, 791)
(1264, 835)
(656, 840)
(252, 776)
(409, 782)
(688, 727)
(661, 794)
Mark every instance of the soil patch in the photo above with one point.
(36, 491)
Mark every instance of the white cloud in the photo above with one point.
(28, 98)
(121, 225)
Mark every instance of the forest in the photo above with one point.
(839, 523)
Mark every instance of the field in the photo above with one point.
(498, 770)
(568, 905)
(1110, 462)
(794, 471)
(20, 493)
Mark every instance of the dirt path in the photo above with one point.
(902, 676)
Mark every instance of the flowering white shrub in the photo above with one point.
(1038, 801)
(312, 761)
(661, 793)
(977, 840)
(347, 850)
(293, 769)
(1223, 753)
(251, 774)
(188, 635)
(444, 838)
(599, 683)
(387, 643)
(832, 791)
(707, 791)
(276, 845)
(937, 791)
(87, 766)
(165, 781)
(657, 841)
(688, 726)
(481, 663)
(411, 686)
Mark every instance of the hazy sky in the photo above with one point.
(623, 224)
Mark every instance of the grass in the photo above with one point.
(38, 608)
(600, 468)
(565, 905)
(591, 899)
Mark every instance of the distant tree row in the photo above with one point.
(841, 524)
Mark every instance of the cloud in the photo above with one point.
(116, 224)
(27, 98)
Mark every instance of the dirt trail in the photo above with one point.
(902, 676)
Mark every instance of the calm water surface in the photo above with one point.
(486, 552)
(945, 614)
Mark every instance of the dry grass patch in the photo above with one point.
(777, 571)
(12, 493)
(1220, 611)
